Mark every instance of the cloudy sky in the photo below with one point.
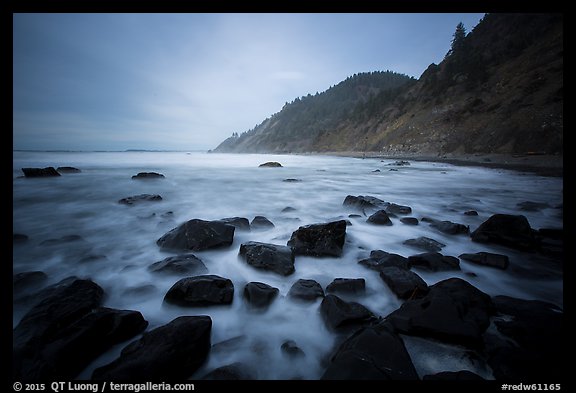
(188, 81)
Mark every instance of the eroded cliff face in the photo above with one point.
(501, 93)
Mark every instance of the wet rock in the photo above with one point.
(270, 164)
(27, 280)
(240, 223)
(530, 206)
(507, 230)
(140, 198)
(471, 213)
(68, 169)
(425, 243)
(350, 286)
(288, 209)
(231, 372)
(40, 172)
(271, 257)
(400, 163)
(19, 238)
(306, 290)
(448, 227)
(536, 330)
(170, 352)
(46, 320)
(363, 202)
(379, 218)
(62, 240)
(453, 311)
(463, 375)
(409, 220)
(434, 261)
(186, 264)
(148, 175)
(392, 208)
(261, 223)
(487, 259)
(371, 353)
(198, 235)
(404, 283)
(292, 180)
(260, 295)
(291, 349)
(319, 239)
(339, 314)
(46, 292)
(197, 291)
(376, 171)
(380, 259)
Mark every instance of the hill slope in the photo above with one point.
(500, 92)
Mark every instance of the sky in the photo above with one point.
(188, 81)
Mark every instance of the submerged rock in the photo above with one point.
(198, 235)
(68, 169)
(404, 283)
(291, 349)
(272, 257)
(240, 223)
(61, 240)
(261, 222)
(339, 314)
(487, 259)
(170, 352)
(409, 220)
(379, 218)
(448, 227)
(507, 230)
(19, 238)
(362, 202)
(140, 198)
(381, 259)
(148, 175)
(197, 291)
(306, 290)
(371, 353)
(434, 261)
(27, 280)
(453, 311)
(425, 243)
(40, 172)
(180, 265)
(319, 239)
(260, 295)
(270, 164)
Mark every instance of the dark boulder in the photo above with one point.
(271, 257)
(40, 172)
(532, 334)
(198, 235)
(148, 175)
(463, 375)
(68, 169)
(409, 220)
(404, 283)
(487, 259)
(453, 311)
(425, 243)
(197, 291)
(306, 290)
(339, 314)
(371, 353)
(434, 261)
(470, 213)
(319, 239)
(170, 352)
(140, 198)
(291, 349)
(261, 223)
(288, 209)
(380, 259)
(362, 202)
(349, 286)
(240, 223)
(448, 227)
(186, 264)
(379, 218)
(507, 230)
(47, 319)
(260, 295)
(231, 372)
(290, 180)
(270, 164)
(392, 208)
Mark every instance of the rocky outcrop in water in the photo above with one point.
(197, 291)
(198, 235)
(261, 223)
(170, 352)
(260, 295)
(425, 243)
(404, 283)
(381, 259)
(140, 198)
(434, 261)
(319, 239)
(40, 172)
(512, 231)
(68, 169)
(271, 257)
(487, 259)
(186, 264)
(350, 286)
(270, 164)
(306, 290)
(340, 314)
(148, 175)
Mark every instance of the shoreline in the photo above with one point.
(540, 164)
